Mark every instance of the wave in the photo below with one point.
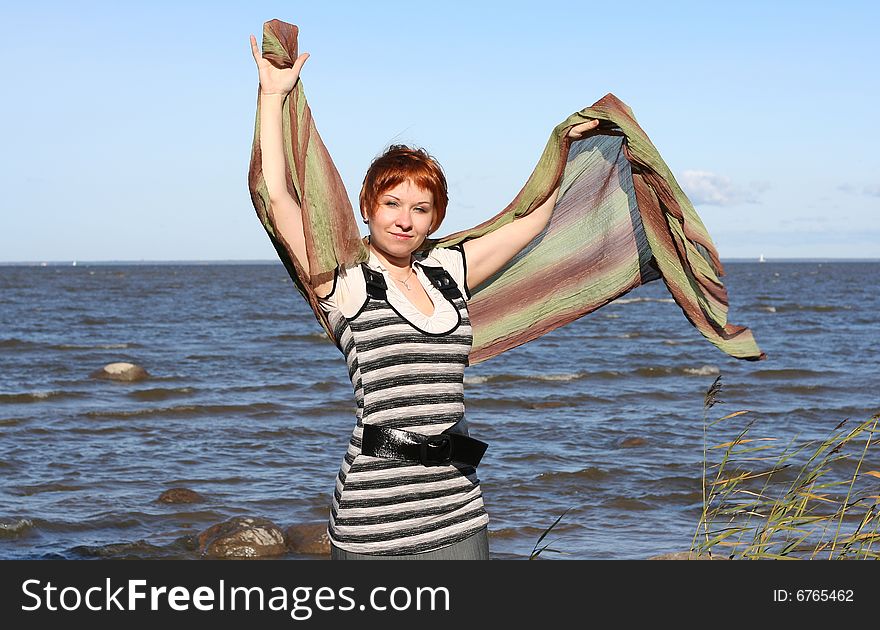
(526, 403)
(476, 380)
(650, 371)
(803, 389)
(627, 503)
(321, 386)
(21, 343)
(590, 472)
(790, 373)
(545, 458)
(161, 393)
(675, 497)
(94, 321)
(520, 378)
(815, 330)
(516, 532)
(266, 316)
(292, 432)
(96, 346)
(37, 396)
(815, 308)
(832, 415)
(12, 342)
(51, 486)
(660, 371)
(16, 528)
(299, 337)
(190, 411)
(703, 370)
(110, 430)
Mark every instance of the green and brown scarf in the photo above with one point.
(620, 220)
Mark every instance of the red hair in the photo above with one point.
(398, 164)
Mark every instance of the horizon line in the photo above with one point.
(208, 261)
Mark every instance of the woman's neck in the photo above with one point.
(393, 263)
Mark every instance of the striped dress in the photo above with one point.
(407, 371)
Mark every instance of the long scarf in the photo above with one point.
(620, 221)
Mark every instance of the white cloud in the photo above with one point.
(703, 187)
(870, 191)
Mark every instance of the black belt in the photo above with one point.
(452, 445)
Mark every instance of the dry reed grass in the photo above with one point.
(809, 500)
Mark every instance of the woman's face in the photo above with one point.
(401, 221)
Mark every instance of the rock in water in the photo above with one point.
(180, 495)
(309, 538)
(242, 537)
(121, 372)
(632, 441)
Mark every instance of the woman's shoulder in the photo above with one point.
(348, 291)
(452, 259)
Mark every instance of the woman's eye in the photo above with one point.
(420, 210)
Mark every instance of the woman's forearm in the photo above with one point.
(272, 146)
(488, 253)
(541, 214)
(535, 221)
(286, 212)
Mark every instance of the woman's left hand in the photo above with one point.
(577, 132)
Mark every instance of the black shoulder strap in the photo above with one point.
(376, 287)
(441, 279)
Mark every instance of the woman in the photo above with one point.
(407, 487)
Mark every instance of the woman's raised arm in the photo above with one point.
(275, 85)
(489, 253)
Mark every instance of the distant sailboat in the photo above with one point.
(74, 264)
(761, 258)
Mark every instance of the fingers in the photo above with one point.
(297, 65)
(300, 61)
(254, 49)
(579, 130)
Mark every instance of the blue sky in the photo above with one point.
(127, 126)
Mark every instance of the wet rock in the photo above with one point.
(309, 538)
(242, 537)
(632, 441)
(127, 372)
(688, 555)
(180, 495)
(138, 550)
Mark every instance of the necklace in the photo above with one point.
(407, 279)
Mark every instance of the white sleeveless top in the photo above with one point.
(350, 290)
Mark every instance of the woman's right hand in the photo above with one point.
(276, 80)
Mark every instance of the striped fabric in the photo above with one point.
(620, 221)
(403, 378)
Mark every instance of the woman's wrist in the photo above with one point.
(280, 94)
